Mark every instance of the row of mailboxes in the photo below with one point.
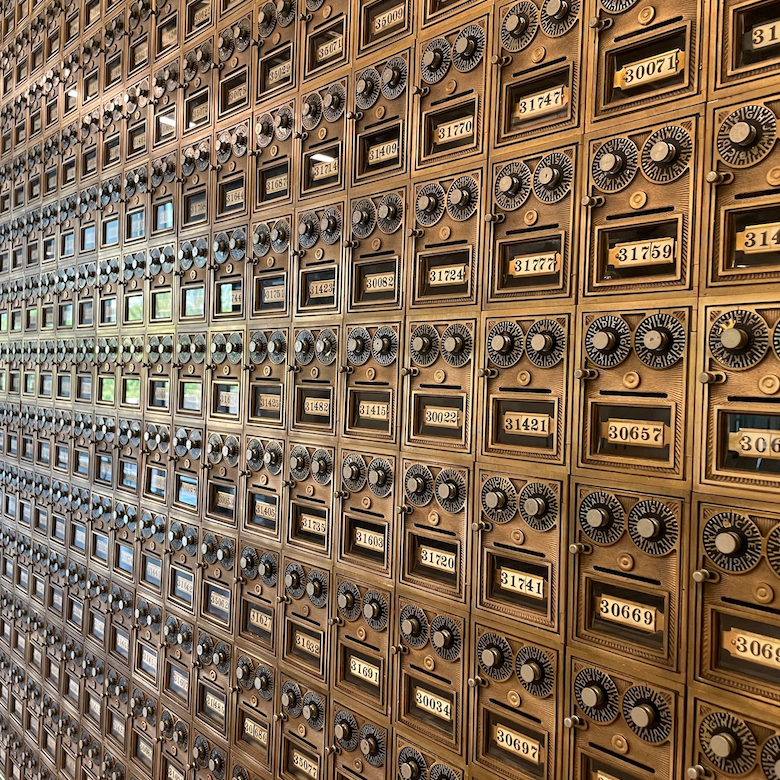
(630, 370)
(545, 58)
(533, 710)
(623, 550)
(631, 376)
(632, 212)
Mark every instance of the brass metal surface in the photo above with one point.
(388, 389)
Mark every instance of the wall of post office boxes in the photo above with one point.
(389, 389)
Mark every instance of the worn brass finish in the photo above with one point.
(388, 390)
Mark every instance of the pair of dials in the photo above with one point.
(443, 632)
(189, 347)
(465, 54)
(227, 347)
(268, 456)
(449, 487)
(390, 83)
(652, 525)
(378, 474)
(665, 156)
(276, 124)
(523, 20)
(659, 340)
(193, 254)
(267, 236)
(532, 665)
(461, 201)
(262, 347)
(312, 228)
(232, 143)
(371, 739)
(551, 181)
(323, 347)
(318, 465)
(382, 346)
(222, 448)
(314, 584)
(372, 605)
(455, 345)
(188, 442)
(544, 344)
(387, 216)
(271, 14)
(646, 711)
(537, 503)
(331, 106)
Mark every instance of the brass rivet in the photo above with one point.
(439, 376)
(322, 132)
(773, 176)
(263, 479)
(365, 502)
(444, 233)
(273, 151)
(638, 199)
(619, 743)
(380, 112)
(358, 765)
(305, 609)
(764, 593)
(302, 730)
(276, 38)
(270, 261)
(433, 518)
(513, 697)
(769, 384)
(429, 663)
(327, 11)
(376, 244)
(530, 217)
(213, 675)
(451, 86)
(518, 537)
(315, 372)
(226, 370)
(523, 378)
(631, 380)
(370, 373)
(361, 632)
(625, 562)
(538, 54)
(309, 490)
(266, 370)
(646, 15)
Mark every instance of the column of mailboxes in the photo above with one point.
(382, 395)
